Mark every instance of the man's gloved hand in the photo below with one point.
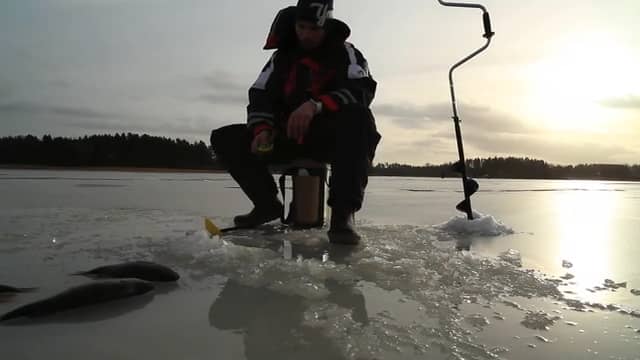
(262, 143)
(299, 121)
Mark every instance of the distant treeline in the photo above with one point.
(145, 151)
(514, 168)
(119, 150)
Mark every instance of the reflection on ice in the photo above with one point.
(94, 313)
(328, 295)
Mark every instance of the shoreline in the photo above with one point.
(109, 168)
(216, 171)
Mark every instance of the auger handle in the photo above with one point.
(486, 19)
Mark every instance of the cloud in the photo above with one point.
(553, 150)
(60, 84)
(223, 80)
(65, 111)
(222, 88)
(434, 147)
(58, 117)
(500, 134)
(183, 127)
(33, 117)
(407, 111)
(425, 133)
(430, 111)
(5, 91)
(474, 118)
(225, 98)
(440, 146)
(625, 102)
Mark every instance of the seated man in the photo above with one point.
(311, 100)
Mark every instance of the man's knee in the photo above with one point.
(228, 137)
(355, 114)
(355, 122)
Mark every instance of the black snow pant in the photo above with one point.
(346, 139)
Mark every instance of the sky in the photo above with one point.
(560, 81)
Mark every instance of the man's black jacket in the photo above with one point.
(336, 74)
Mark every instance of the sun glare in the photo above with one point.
(584, 223)
(569, 85)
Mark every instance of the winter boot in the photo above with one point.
(262, 213)
(342, 229)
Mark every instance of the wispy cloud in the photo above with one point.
(409, 116)
(5, 91)
(504, 135)
(475, 118)
(224, 80)
(487, 132)
(222, 88)
(625, 102)
(190, 127)
(441, 147)
(230, 98)
(85, 120)
(542, 147)
(411, 111)
(65, 111)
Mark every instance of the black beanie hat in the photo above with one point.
(315, 11)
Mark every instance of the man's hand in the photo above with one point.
(299, 121)
(261, 142)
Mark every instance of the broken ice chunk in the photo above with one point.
(539, 320)
(542, 338)
(477, 320)
(610, 284)
(512, 256)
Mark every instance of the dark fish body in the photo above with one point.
(81, 296)
(142, 270)
(5, 289)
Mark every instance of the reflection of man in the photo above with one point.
(311, 100)
(272, 322)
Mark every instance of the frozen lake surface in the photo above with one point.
(551, 272)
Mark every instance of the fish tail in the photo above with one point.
(19, 312)
(8, 316)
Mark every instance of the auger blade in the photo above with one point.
(464, 206)
(470, 187)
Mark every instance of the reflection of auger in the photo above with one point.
(470, 186)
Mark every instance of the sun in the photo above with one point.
(569, 85)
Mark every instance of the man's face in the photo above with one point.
(310, 35)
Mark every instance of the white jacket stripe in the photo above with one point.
(265, 75)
